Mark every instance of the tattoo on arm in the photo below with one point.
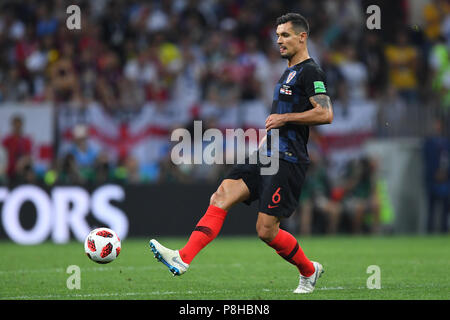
(322, 100)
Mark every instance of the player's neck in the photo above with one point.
(298, 58)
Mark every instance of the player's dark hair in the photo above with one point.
(299, 22)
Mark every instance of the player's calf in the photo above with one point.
(267, 227)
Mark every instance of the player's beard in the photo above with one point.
(286, 55)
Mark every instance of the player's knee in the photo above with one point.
(229, 193)
(218, 198)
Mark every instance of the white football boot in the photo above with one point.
(307, 284)
(171, 258)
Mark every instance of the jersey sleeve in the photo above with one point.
(314, 82)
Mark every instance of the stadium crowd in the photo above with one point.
(215, 61)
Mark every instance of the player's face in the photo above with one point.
(289, 41)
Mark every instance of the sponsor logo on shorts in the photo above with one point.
(276, 198)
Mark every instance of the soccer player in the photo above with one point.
(300, 100)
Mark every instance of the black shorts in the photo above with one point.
(278, 194)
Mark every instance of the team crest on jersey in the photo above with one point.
(286, 90)
(291, 76)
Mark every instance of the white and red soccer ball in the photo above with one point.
(102, 245)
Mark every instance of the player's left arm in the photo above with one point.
(321, 109)
(320, 113)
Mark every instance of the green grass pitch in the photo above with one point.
(233, 268)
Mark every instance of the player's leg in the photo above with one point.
(284, 243)
(227, 194)
(287, 246)
(267, 227)
(278, 199)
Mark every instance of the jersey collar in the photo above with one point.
(295, 66)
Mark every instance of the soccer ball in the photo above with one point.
(102, 245)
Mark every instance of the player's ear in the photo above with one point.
(303, 37)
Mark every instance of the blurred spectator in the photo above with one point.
(440, 72)
(333, 74)
(14, 88)
(316, 199)
(102, 169)
(360, 195)
(353, 124)
(403, 59)
(372, 55)
(434, 13)
(346, 17)
(24, 171)
(68, 171)
(127, 171)
(268, 71)
(64, 84)
(84, 154)
(19, 147)
(108, 89)
(186, 91)
(46, 24)
(171, 173)
(437, 176)
(391, 110)
(142, 69)
(354, 73)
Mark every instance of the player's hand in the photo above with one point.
(275, 121)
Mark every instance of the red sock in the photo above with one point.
(288, 248)
(206, 230)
